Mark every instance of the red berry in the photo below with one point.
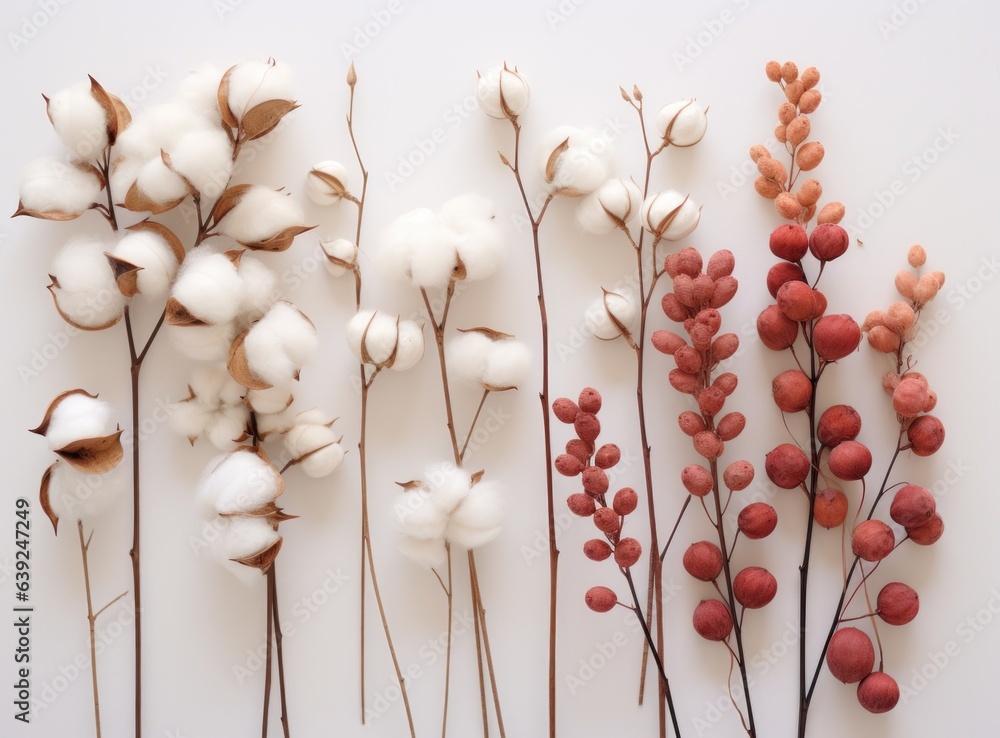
(724, 347)
(720, 264)
(850, 461)
(828, 241)
(581, 504)
(851, 655)
(757, 520)
(819, 304)
(595, 481)
(581, 449)
(708, 445)
(872, 540)
(775, 330)
(837, 424)
(792, 390)
(781, 273)
(627, 552)
(878, 692)
(795, 301)
(928, 533)
(910, 396)
(686, 261)
(830, 508)
(696, 479)
(688, 360)
(731, 425)
(926, 434)
(836, 336)
(626, 500)
(898, 603)
(590, 400)
(787, 466)
(712, 620)
(667, 342)
(607, 520)
(568, 466)
(754, 587)
(724, 291)
(691, 422)
(703, 560)
(596, 550)
(601, 599)
(608, 456)
(587, 426)
(789, 242)
(726, 382)
(738, 475)
(684, 382)
(912, 506)
(710, 401)
(673, 308)
(565, 409)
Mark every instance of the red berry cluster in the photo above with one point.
(584, 459)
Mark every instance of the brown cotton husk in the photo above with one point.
(138, 202)
(43, 498)
(43, 427)
(228, 200)
(126, 275)
(553, 160)
(263, 559)
(280, 241)
(176, 314)
(94, 455)
(261, 119)
(239, 366)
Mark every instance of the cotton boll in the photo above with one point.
(76, 495)
(670, 215)
(615, 200)
(313, 416)
(582, 167)
(502, 92)
(205, 159)
(433, 257)
(79, 120)
(316, 448)
(419, 517)
(242, 538)
(261, 214)
(417, 247)
(158, 183)
(355, 331)
(209, 286)
(450, 486)
(479, 518)
(341, 255)
(254, 82)
(425, 552)
(189, 419)
(157, 128)
(157, 261)
(323, 192)
(241, 482)
(271, 401)
(280, 344)
(599, 315)
(199, 92)
(227, 426)
(260, 288)
(481, 248)
(409, 345)
(51, 185)
(77, 417)
(203, 342)
(86, 291)
(376, 331)
(467, 355)
(686, 120)
(507, 364)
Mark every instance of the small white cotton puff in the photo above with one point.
(418, 515)
(686, 120)
(76, 495)
(209, 286)
(317, 449)
(241, 538)
(377, 332)
(508, 364)
(409, 345)
(280, 344)
(87, 293)
(659, 216)
(205, 159)
(449, 486)
(159, 183)
(271, 401)
(479, 241)
(418, 247)
(79, 120)
(240, 482)
(261, 214)
(216, 410)
(77, 417)
(259, 290)
(254, 82)
(318, 190)
(479, 517)
(621, 306)
(203, 342)
(467, 353)
(157, 261)
(615, 200)
(502, 92)
(52, 185)
(344, 251)
(583, 166)
(199, 92)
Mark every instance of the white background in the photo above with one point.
(895, 75)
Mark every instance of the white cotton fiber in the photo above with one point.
(502, 91)
(409, 346)
(377, 331)
(425, 552)
(268, 402)
(209, 286)
(479, 518)
(342, 249)
(598, 315)
(227, 425)
(507, 364)
(77, 417)
(617, 198)
(205, 159)
(52, 185)
(467, 354)
(254, 82)
(280, 344)
(75, 495)
(79, 120)
(449, 486)
(657, 209)
(199, 92)
(318, 190)
(150, 251)
(392, 258)
(261, 214)
(259, 290)
(243, 537)
(189, 418)
(418, 247)
(479, 241)
(203, 342)
(316, 448)
(419, 516)
(160, 184)
(312, 416)
(689, 122)
(87, 294)
(241, 482)
(583, 166)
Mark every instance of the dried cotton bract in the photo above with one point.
(502, 92)
(575, 161)
(326, 183)
(341, 256)
(259, 218)
(153, 253)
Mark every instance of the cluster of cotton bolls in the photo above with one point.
(451, 507)
(82, 432)
(430, 250)
(493, 360)
(383, 340)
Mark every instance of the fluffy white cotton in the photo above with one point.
(279, 423)
(418, 247)
(319, 190)
(409, 345)
(615, 200)
(479, 242)
(343, 251)
(479, 518)
(429, 552)
(77, 417)
(419, 516)
(79, 120)
(313, 416)
(259, 290)
(240, 482)
(599, 315)
(214, 385)
(199, 92)
(209, 286)
(205, 159)
(158, 128)
(254, 82)
(261, 214)
(670, 215)
(76, 495)
(449, 486)
(467, 354)
(215, 410)
(507, 364)
(682, 123)
(376, 332)
(157, 261)
(87, 293)
(582, 167)
(51, 185)
(317, 449)
(270, 401)
(203, 342)
(161, 185)
(280, 344)
(242, 538)
(502, 92)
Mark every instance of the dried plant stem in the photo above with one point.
(448, 590)
(267, 659)
(272, 577)
(536, 221)
(480, 614)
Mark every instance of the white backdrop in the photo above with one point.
(909, 98)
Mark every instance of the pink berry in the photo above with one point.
(724, 291)
(627, 552)
(830, 508)
(685, 382)
(696, 479)
(687, 261)
(673, 308)
(757, 520)
(688, 360)
(708, 445)
(568, 465)
(726, 382)
(738, 475)
(691, 422)
(565, 409)
(819, 304)
(850, 461)
(754, 587)
(710, 401)
(703, 560)
(595, 481)
(792, 390)
(724, 347)
(775, 330)
(625, 502)
(795, 301)
(928, 533)
(709, 317)
(837, 424)
(608, 456)
(587, 426)
(910, 397)
(851, 655)
(787, 466)
(836, 336)
(912, 506)
(720, 264)
(878, 692)
(590, 400)
(580, 449)
(926, 434)
(781, 273)
(581, 504)
(597, 550)
(601, 599)
(607, 520)
(898, 603)
(828, 241)
(712, 620)
(731, 425)
(872, 540)
(789, 242)
(667, 342)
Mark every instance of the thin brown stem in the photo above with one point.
(267, 659)
(472, 426)
(90, 621)
(447, 660)
(278, 637)
(477, 628)
(481, 616)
